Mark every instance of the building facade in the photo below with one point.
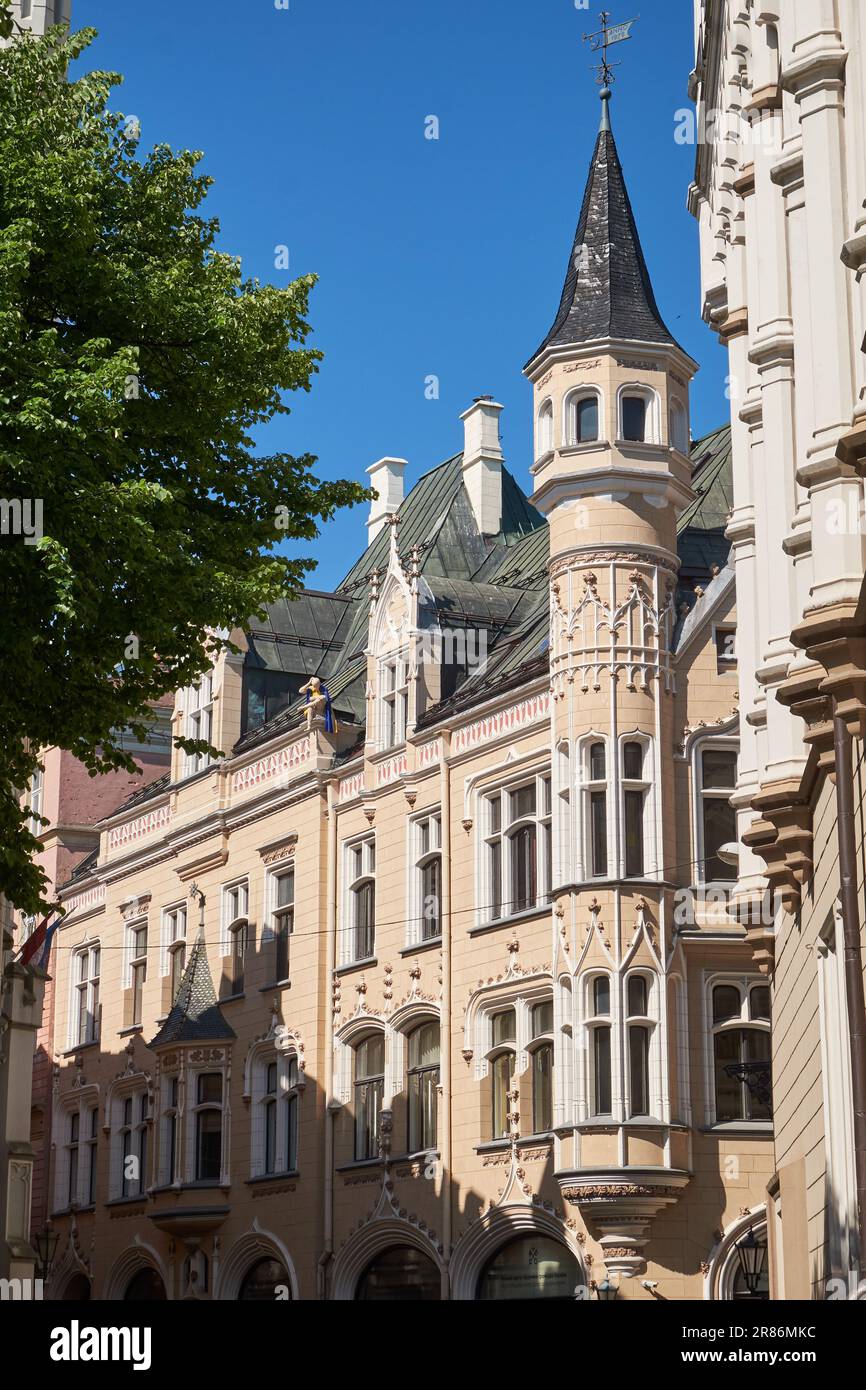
(428, 987)
(779, 193)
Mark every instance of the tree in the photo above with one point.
(138, 522)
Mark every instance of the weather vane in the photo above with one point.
(601, 41)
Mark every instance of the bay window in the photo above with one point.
(518, 848)
(741, 1051)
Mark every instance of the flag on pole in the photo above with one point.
(618, 32)
(39, 940)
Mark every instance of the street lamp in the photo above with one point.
(46, 1248)
(605, 1292)
(752, 1255)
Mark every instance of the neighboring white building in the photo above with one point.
(780, 197)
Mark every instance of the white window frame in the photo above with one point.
(90, 985)
(653, 412)
(234, 914)
(510, 825)
(745, 983)
(678, 417)
(570, 404)
(84, 1104)
(198, 721)
(287, 1099)
(168, 1110)
(649, 1021)
(138, 1129)
(365, 846)
(195, 1107)
(36, 797)
(563, 844)
(588, 786)
(708, 743)
(174, 938)
(419, 858)
(134, 959)
(646, 784)
(544, 441)
(275, 913)
(589, 1023)
(393, 700)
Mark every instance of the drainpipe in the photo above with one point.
(853, 958)
(445, 1030)
(328, 1073)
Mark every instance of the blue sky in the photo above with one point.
(436, 257)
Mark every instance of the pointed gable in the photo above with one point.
(195, 1014)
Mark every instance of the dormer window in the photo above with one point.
(581, 418)
(198, 702)
(394, 689)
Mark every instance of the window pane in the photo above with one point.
(285, 890)
(210, 1088)
(601, 1071)
(632, 761)
(368, 1105)
(501, 1072)
(523, 868)
(496, 879)
(523, 802)
(587, 420)
(542, 1089)
(719, 769)
(431, 897)
(495, 810)
(720, 828)
(638, 1052)
(370, 1057)
(601, 995)
(759, 1001)
(727, 1003)
(365, 909)
(729, 1091)
(542, 1018)
(756, 1049)
(292, 1133)
(598, 807)
(271, 1136)
(634, 806)
(208, 1145)
(424, 1046)
(504, 1027)
(422, 1109)
(637, 996)
(634, 418)
(597, 762)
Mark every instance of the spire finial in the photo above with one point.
(608, 34)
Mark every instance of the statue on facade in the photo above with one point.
(318, 704)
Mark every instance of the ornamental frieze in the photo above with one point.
(274, 765)
(133, 830)
(505, 721)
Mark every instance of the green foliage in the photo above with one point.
(135, 364)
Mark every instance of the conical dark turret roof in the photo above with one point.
(607, 291)
(195, 1014)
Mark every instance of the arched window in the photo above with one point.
(264, 1282)
(634, 794)
(275, 1125)
(501, 1055)
(532, 1266)
(145, 1287)
(544, 432)
(132, 1140)
(360, 939)
(741, 1051)
(401, 1274)
(598, 1023)
(582, 418)
(634, 418)
(679, 427)
(174, 947)
(639, 1026)
(369, 1092)
(235, 907)
(422, 1083)
(208, 1114)
(84, 1004)
(541, 1056)
(426, 836)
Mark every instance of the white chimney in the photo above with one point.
(482, 463)
(386, 480)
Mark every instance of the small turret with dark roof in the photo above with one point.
(607, 293)
(195, 1015)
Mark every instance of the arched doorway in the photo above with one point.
(265, 1282)
(400, 1274)
(77, 1290)
(530, 1267)
(145, 1287)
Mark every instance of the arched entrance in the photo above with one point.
(145, 1287)
(401, 1273)
(267, 1281)
(77, 1290)
(530, 1267)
